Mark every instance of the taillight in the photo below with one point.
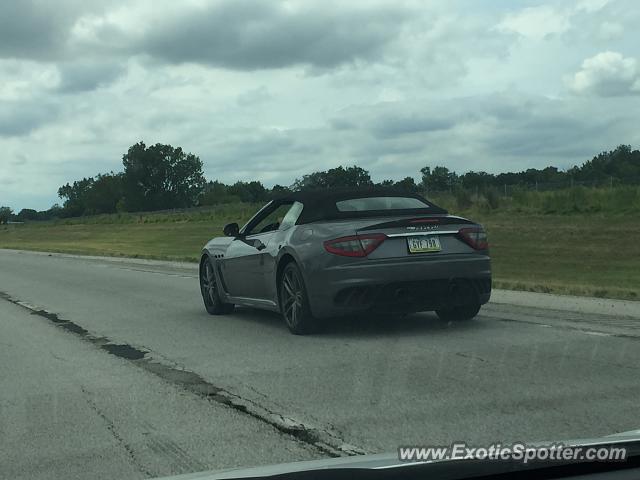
(475, 237)
(355, 245)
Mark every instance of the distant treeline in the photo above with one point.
(161, 177)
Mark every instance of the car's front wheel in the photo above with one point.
(210, 292)
(294, 303)
(459, 313)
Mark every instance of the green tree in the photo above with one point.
(5, 215)
(438, 179)
(55, 211)
(334, 178)
(477, 180)
(104, 194)
(278, 190)
(407, 183)
(27, 214)
(386, 183)
(250, 192)
(215, 193)
(621, 164)
(75, 197)
(161, 177)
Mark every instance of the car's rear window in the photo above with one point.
(379, 203)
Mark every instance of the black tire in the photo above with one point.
(294, 303)
(459, 313)
(209, 290)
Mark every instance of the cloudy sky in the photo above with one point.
(272, 90)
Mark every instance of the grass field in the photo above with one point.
(583, 254)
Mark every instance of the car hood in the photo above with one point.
(376, 461)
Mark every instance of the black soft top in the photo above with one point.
(321, 204)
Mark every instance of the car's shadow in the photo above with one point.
(392, 325)
(367, 325)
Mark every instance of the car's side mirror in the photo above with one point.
(231, 230)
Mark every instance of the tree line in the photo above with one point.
(162, 177)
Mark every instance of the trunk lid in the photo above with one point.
(420, 236)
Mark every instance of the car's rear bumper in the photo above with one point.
(398, 284)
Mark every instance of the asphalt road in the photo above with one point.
(112, 368)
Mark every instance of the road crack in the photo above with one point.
(569, 325)
(472, 357)
(322, 439)
(111, 428)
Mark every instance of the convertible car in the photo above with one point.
(313, 255)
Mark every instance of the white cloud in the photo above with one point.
(271, 91)
(253, 97)
(87, 75)
(25, 79)
(247, 34)
(592, 5)
(607, 74)
(610, 30)
(537, 22)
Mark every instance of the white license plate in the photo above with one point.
(424, 244)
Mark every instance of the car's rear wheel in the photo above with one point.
(294, 303)
(459, 312)
(210, 292)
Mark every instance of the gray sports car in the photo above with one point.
(313, 255)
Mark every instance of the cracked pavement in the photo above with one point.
(112, 367)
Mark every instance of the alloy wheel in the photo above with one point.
(292, 294)
(208, 285)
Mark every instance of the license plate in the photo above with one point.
(424, 244)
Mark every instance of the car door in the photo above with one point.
(234, 265)
(243, 264)
(286, 217)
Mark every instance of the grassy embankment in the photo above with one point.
(579, 241)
